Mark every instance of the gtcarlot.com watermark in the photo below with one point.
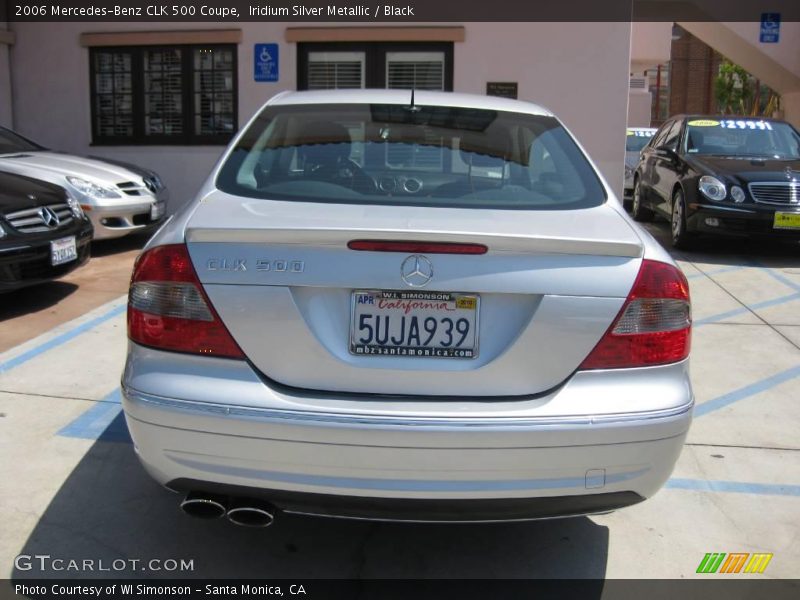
(48, 563)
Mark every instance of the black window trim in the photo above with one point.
(374, 59)
(137, 90)
(661, 133)
(674, 135)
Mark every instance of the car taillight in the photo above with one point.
(168, 309)
(654, 326)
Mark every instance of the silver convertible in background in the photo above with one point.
(428, 308)
(118, 198)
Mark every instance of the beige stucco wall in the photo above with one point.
(579, 70)
(650, 45)
(786, 52)
(639, 108)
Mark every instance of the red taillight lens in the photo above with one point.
(168, 310)
(654, 326)
(412, 247)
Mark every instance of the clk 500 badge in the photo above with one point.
(262, 264)
(281, 266)
(227, 264)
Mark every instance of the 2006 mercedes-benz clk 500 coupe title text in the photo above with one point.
(421, 307)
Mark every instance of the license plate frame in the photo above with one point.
(786, 220)
(63, 251)
(464, 352)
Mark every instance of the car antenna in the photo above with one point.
(413, 107)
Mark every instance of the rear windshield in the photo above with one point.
(413, 156)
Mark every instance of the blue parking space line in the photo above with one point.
(745, 392)
(743, 310)
(784, 280)
(737, 487)
(719, 317)
(103, 421)
(60, 339)
(715, 272)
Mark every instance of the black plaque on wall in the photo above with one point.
(505, 89)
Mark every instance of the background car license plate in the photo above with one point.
(63, 251)
(419, 324)
(786, 220)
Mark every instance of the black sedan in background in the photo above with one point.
(721, 175)
(43, 232)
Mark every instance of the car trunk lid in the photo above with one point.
(282, 278)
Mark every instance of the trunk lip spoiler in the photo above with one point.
(496, 243)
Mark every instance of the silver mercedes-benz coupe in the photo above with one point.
(413, 307)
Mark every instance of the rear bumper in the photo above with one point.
(740, 221)
(422, 510)
(216, 425)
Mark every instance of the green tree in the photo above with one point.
(734, 89)
(738, 92)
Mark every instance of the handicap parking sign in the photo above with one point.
(265, 62)
(770, 28)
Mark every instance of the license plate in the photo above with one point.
(63, 251)
(786, 220)
(414, 324)
(156, 210)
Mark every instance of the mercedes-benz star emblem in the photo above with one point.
(48, 217)
(416, 271)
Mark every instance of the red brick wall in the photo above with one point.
(693, 67)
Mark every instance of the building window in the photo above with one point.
(335, 70)
(392, 65)
(418, 70)
(113, 89)
(178, 95)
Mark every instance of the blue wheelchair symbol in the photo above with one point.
(265, 62)
(770, 28)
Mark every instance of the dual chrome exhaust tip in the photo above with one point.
(246, 512)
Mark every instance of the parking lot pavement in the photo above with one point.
(32, 311)
(72, 486)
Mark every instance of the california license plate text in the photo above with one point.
(417, 324)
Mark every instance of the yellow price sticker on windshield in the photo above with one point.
(703, 123)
